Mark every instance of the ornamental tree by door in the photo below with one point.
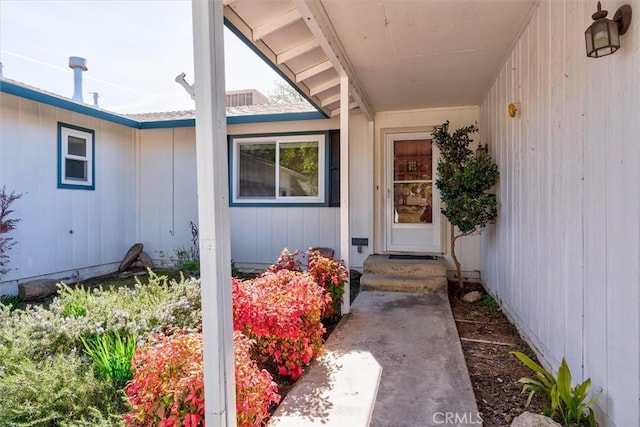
(464, 180)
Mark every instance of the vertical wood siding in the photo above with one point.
(168, 200)
(564, 255)
(102, 221)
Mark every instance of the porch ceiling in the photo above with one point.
(399, 54)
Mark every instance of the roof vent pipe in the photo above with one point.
(78, 65)
(95, 99)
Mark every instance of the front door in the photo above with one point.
(412, 202)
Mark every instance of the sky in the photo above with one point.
(134, 50)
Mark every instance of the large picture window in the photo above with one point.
(279, 169)
(75, 157)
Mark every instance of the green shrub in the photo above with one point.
(562, 401)
(57, 391)
(191, 268)
(112, 356)
(75, 305)
(14, 302)
(45, 380)
(489, 301)
(41, 332)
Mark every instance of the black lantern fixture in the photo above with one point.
(603, 35)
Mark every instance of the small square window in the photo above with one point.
(76, 162)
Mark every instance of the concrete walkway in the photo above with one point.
(394, 361)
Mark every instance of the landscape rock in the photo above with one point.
(471, 297)
(130, 257)
(527, 419)
(145, 260)
(37, 289)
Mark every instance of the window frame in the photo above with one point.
(235, 141)
(64, 131)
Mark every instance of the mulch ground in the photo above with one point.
(494, 371)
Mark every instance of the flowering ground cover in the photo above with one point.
(133, 355)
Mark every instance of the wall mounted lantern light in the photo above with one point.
(603, 35)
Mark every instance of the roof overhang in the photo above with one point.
(397, 54)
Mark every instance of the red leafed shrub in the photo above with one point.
(6, 225)
(332, 276)
(282, 312)
(255, 389)
(287, 261)
(168, 386)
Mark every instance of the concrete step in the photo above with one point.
(381, 264)
(403, 283)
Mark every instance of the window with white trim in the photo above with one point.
(279, 169)
(75, 157)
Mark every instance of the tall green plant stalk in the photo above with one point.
(464, 180)
(562, 401)
(112, 355)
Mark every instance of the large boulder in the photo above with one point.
(527, 419)
(131, 257)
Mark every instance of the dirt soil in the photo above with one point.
(494, 372)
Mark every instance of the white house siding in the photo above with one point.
(564, 255)
(468, 248)
(168, 191)
(64, 232)
(168, 199)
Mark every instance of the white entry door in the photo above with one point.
(412, 199)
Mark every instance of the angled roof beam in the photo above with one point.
(312, 71)
(274, 25)
(294, 52)
(314, 90)
(243, 31)
(317, 19)
(329, 100)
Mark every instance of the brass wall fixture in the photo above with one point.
(512, 109)
(603, 35)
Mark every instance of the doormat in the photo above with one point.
(429, 257)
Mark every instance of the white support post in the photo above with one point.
(345, 244)
(213, 213)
